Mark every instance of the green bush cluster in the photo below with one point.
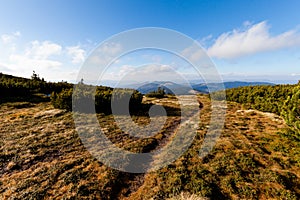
(280, 99)
(291, 111)
(63, 99)
(263, 98)
(86, 95)
(15, 88)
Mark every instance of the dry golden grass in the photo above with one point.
(42, 157)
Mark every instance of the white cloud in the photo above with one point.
(77, 54)
(295, 74)
(43, 50)
(3, 67)
(8, 38)
(110, 49)
(205, 39)
(37, 56)
(45, 57)
(125, 69)
(194, 53)
(156, 69)
(149, 72)
(105, 54)
(255, 38)
(27, 63)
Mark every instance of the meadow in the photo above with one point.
(42, 156)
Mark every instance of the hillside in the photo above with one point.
(42, 157)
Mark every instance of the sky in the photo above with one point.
(250, 40)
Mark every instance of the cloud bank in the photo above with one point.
(253, 39)
(8, 38)
(77, 54)
(45, 57)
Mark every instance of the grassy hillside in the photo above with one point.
(42, 157)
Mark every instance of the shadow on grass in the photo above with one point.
(134, 110)
(23, 101)
(143, 110)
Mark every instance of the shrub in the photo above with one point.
(86, 95)
(63, 99)
(283, 100)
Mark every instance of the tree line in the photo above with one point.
(12, 86)
(62, 93)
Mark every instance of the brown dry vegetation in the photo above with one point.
(42, 157)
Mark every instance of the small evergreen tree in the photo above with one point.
(159, 93)
(35, 76)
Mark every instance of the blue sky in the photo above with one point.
(247, 40)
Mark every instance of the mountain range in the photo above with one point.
(175, 88)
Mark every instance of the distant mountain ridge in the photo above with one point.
(168, 86)
(171, 87)
(203, 87)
